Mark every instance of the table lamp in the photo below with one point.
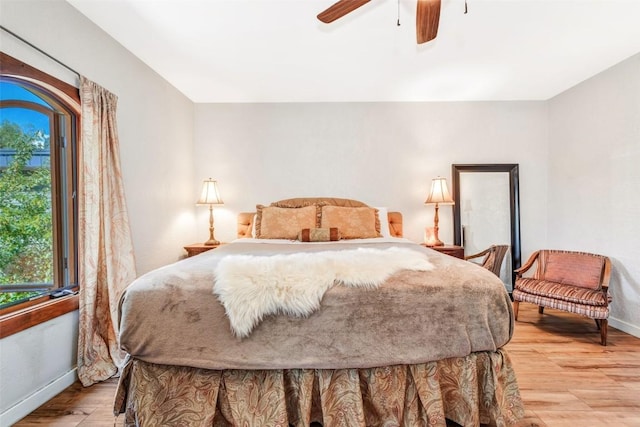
(210, 196)
(439, 195)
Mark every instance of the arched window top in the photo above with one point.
(10, 91)
(25, 108)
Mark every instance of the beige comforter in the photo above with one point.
(171, 316)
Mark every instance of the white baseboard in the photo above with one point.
(33, 402)
(624, 326)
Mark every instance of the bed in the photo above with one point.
(413, 338)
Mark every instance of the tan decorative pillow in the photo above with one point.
(353, 223)
(273, 222)
(301, 203)
(319, 235)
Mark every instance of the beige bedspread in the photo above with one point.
(171, 316)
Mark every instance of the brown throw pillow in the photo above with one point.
(319, 235)
(353, 223)
(273, 222)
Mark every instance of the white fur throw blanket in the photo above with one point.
(251, 287)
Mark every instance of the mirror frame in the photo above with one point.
(514, 202)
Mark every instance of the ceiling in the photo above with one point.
(277, 51)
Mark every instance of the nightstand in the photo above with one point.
(453, 250)
(198, 248)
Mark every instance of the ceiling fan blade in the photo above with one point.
(427, 19)
(339, 9)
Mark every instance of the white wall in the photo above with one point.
(384, 154)
(35, 365)
(594, 179)
(155, 124)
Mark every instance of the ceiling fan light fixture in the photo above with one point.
(427, 16)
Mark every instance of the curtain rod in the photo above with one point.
(40, 50)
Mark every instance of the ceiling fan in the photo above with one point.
(427, 16)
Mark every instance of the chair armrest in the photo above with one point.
(527, 265)
(479, 254)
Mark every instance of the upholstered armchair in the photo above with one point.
(576, 282)
(493, 257)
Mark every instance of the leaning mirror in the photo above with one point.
(487, 212)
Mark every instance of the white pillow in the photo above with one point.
(383, 215)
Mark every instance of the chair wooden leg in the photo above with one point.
(603, 331)
(540, 309)
(516, 305)
(597, 323)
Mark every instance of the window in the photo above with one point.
(38, 176)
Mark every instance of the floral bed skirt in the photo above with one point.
(477, 389)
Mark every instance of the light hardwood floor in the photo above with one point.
(566, 378)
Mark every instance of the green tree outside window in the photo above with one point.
(26, 251)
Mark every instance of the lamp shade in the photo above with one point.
(439, 192)
(210, 194)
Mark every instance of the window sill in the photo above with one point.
(24, 318)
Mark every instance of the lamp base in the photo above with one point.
(211, 242)
(431, 237)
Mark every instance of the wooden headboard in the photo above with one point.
(245, 219)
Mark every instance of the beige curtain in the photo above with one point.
(105, 249)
